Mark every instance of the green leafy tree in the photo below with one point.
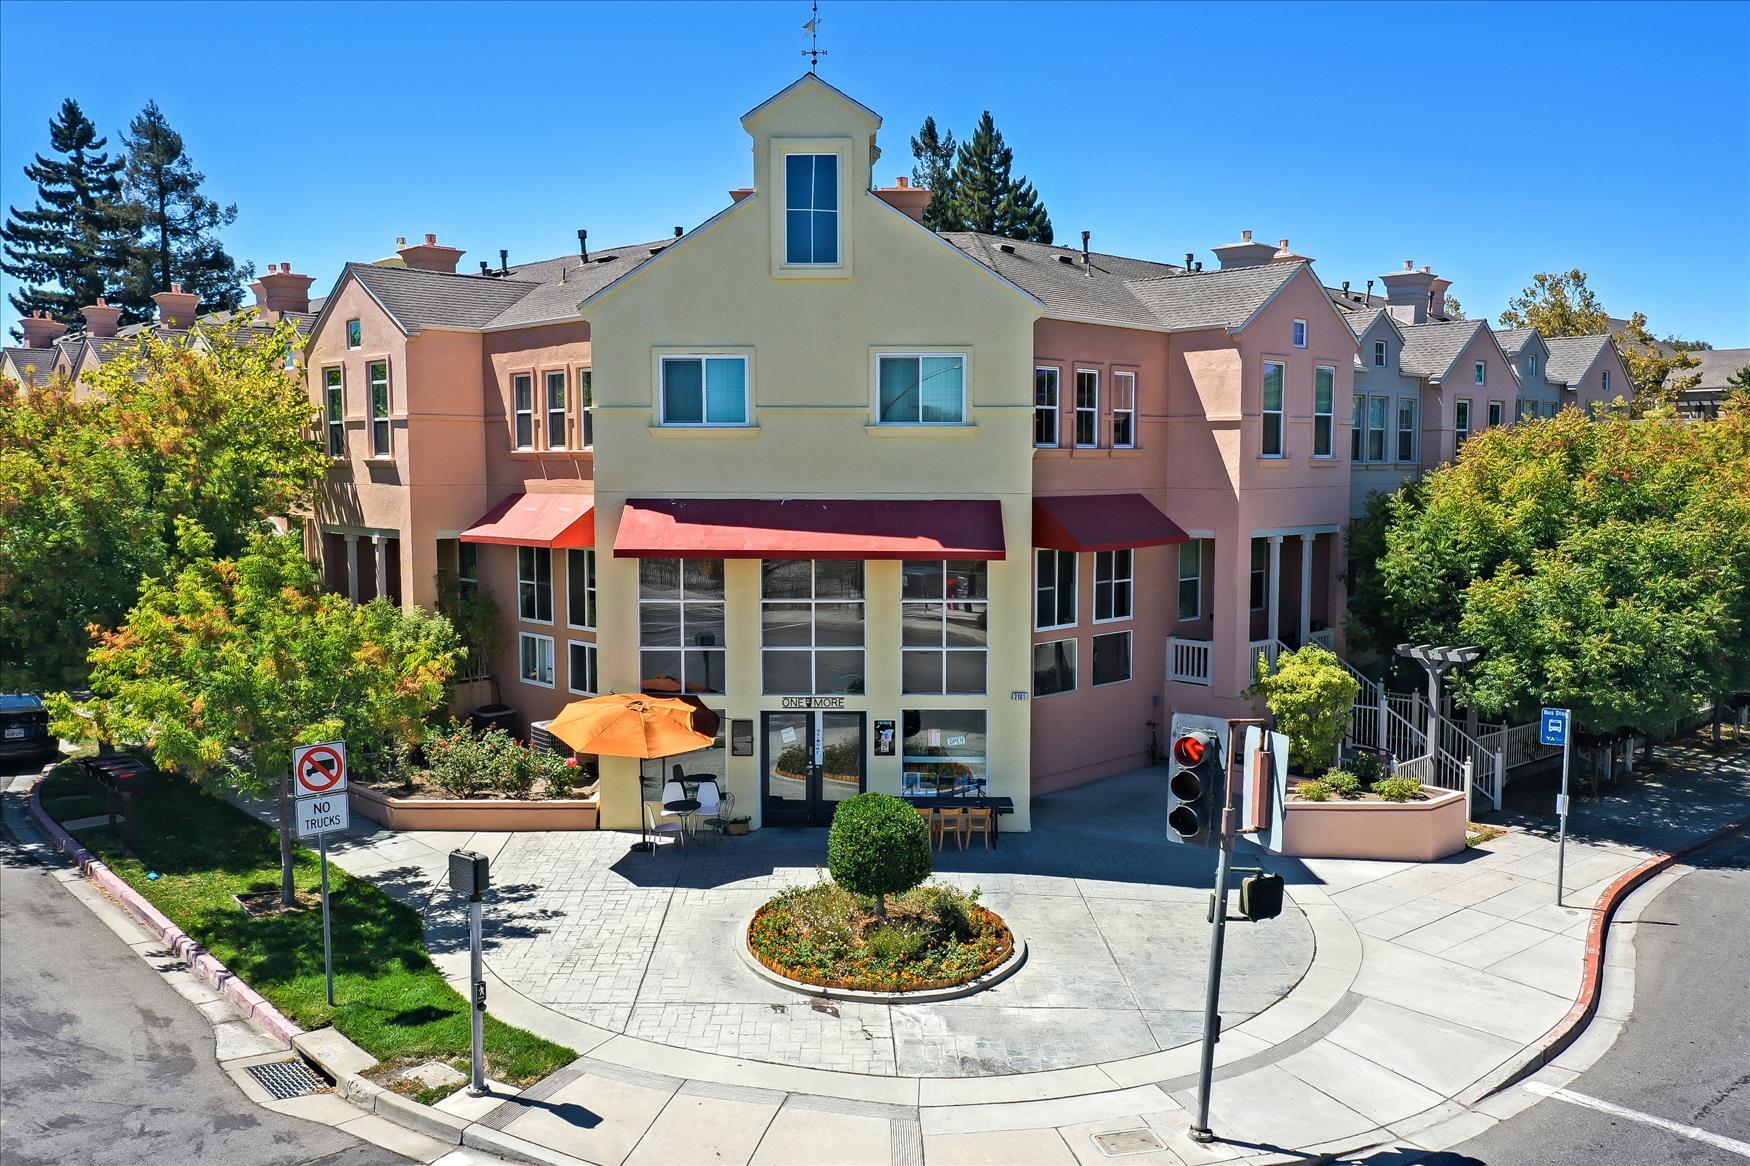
(72, 246)
(934, 154)
(177, 224)
(226, 666)
(1454, 309)
(979, 191)
(1738, 387)
(878, 846)
(1311, 695)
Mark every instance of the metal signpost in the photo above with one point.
(470, 875)
(319, 784)
(1555, 727)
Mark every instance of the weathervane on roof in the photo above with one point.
(813, 52)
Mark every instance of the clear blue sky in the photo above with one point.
(1489, 141)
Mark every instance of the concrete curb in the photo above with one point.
(247, 999)
(1017, 956)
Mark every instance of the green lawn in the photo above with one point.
(391, 999)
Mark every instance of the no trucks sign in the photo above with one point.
(319, 785)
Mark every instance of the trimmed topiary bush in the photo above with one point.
(879, 846)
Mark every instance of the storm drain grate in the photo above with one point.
(287, 1079)
(1128, 1142)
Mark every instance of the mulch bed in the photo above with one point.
(990, 934)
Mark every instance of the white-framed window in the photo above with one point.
(1324, 410)
(1045, 407)
(1494, 414)
(334, 405)
(1260, 576)
(535, 656)
(467, 569)
(1606, 375)
(355, 334)
(1357, 426)
(944, 621)
(585, 420)
(580, 590)
(1406, 430)
(1376, 413)
(1482, 372)
(1054, 589)
(534, 584)
(1300, 333)
(920, 388)
(1272, 429)
(1111, 658)
(1113, 584)
(704, 390)
(1379, 354)
(811, 208)
(811, 626)
(680, 625)
(944, 741)
(377, 380)
(1461, 420)
(522, 404)
(1123, 410)
(1087, 418)
(1191, 580)
(1530, 365)
(581, 674)
(1054, 667)
(556, 409)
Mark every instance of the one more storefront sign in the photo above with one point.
(814, 702)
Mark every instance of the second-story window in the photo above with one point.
(811, 626)
(355, 334)
(534, 584)
(1406, 430)
(334, 394)
(377, 376)
(467, 569)
(680, 625)
(522, 404)
(1191, 580)
(1376, 409)
(1482, 372)
(1300, 333)
(1054, 589)
(1606, 376)
(1272, 435)
(1530, 365)
(944, 614)
(1087, 408)
(1461, 420)
(1324, 410)
(704, 390)
(920, 389)
(585, 424)
(1045, 407)
(1112, 585)
(1260, 577)
(1123, 410)
(556, 409)
(1379, 354)
(811, 208)
(580, 588)
(1357, 425)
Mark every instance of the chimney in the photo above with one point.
(1189, 256)
(504, 261)
(176, 308)
(100, 318)
(1437, 297)
(583, 243)
(678, 232)
(1087, 261)
(1407, 295)
(42, 330)
(1245, 253)
(429, 255)
(280, 291)
(902, 196)
(1285, 255)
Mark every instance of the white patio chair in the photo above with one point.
(714, 805)
(658, 822)
(674, 791)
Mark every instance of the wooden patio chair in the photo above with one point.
(980, 820)
(947, 820)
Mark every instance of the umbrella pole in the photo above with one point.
(644, 845)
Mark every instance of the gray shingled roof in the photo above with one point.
(1430, 349)
(1571, 356)
(1513, 339)
(34, 363)
(1361, 319)
(568, 281)
(1716, 365)
(1215, 299)
(434, 299)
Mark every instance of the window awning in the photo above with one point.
(809, 528)
(537, 520)
(1102, 522)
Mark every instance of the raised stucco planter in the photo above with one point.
(1396, 831)
(470, 814)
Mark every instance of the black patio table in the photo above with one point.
(1002, 805)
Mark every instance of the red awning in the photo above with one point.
(537, 520)
(809, 528)
(1102, 522)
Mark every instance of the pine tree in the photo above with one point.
(176, 222)
(934, 170)
(72, 246)
(985, 195)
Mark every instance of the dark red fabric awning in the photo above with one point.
(809, 528)
(537, 520)
(1102, 522)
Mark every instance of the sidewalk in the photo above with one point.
(1428, 985)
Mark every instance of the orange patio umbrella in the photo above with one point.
(633, 724)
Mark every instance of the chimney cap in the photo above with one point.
(1246, 236)
(430, 239)
(902, 182)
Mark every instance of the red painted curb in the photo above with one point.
(247, 999)
(1568, 1029)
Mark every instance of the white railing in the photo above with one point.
(1518, 745)
(1325, 637)
(1269, 649)
(1421, 768)
(1189, 661)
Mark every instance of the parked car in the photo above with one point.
(24, 728)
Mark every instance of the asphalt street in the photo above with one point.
(1683, 1056)
(101, 1062)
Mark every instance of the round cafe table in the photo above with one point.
(685, 807)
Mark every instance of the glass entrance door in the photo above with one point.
(812, 761)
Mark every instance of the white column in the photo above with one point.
(380, 543)
(352, 567)
(1275, 588)
(1306, 558)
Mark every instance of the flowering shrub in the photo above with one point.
(466, 764)
(559, 775)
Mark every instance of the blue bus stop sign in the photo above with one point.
(1553, 727)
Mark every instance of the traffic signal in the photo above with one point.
(1196, 780)
(1261, 896)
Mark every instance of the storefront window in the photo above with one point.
(811, 626)
(945, 747)
(711, 761)
(680, 625)
(943, 619)
(1054, 667)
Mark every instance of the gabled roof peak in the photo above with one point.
(802, 84)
